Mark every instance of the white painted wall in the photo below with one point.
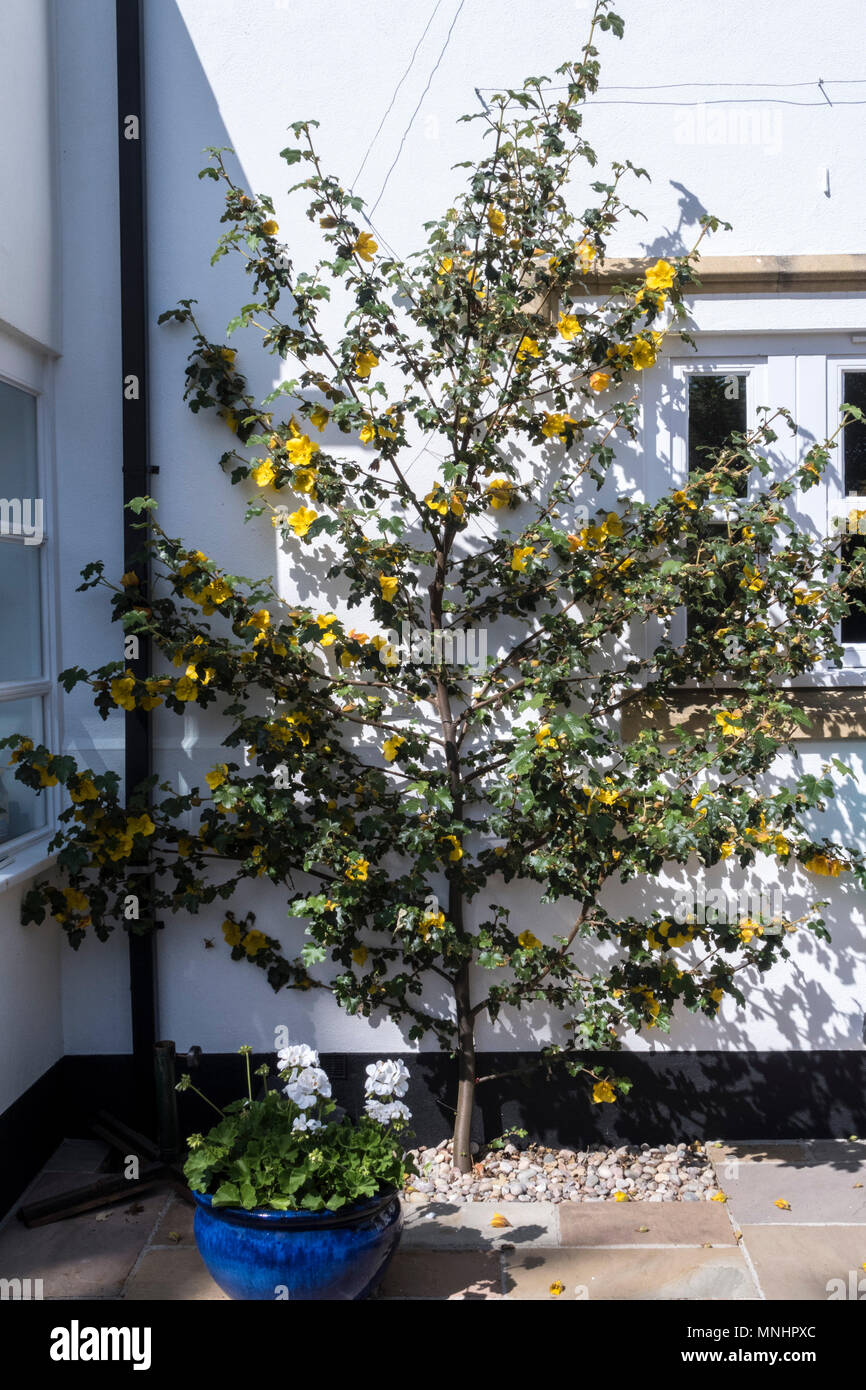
(28, 247)
(223, 74)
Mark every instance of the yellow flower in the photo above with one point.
(326, 621)
(554, 425)
(729, 721)
(253, 942)
(218, 591)
(528, 348)
(129, 580)
(446, 265)
(803, 596)
(519, 557)
(121, 691)
(319, 417)
(752, 581)
(301, 520)
(727, 848)
(660, 276)
(365, 362)
(602, 1092)
(232, 933)
(217, 776)
(782, 1203)
(500, 492)
(621, 1197)
(359, 955)
(389, 584)
(434, 921)
(304, 480)
(455, 852)
(585, 252)
(826, 866)
(263, 473)
(781, 846)
(368, 433)
(556, 1288)
(643, 354)
(750, 929)
(719, 1196)
(543, 739)
(301, 450)
(496, 220)
(86, 791)
(185, 689)
(391, 747)
(612, 525)
(529, 941)
(270, 228)
(682, 499)
(365, 247)
(437, 501)
(260, 619)
(599, 381)
(357, 870)
(76, 901)
(568, 327)
(140, 825)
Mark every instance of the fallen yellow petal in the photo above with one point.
(557, 1287)
(621, 1197)
(719, 1197)
(782, 1204)
(498, 1220)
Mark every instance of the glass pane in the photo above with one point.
(854, 436)
(717, 407)
(20, 808)
(20, 629)
(854, 626)
(17, 443)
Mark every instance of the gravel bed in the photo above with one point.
(664, 1173)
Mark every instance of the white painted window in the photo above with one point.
(27, 652)
(846, 488)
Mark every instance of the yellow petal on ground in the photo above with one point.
(498, 1220)
(556, 1288)
(622, 1197)
(782, 1204)
(719, 1197)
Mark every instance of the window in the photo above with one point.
(846, 499)
(713, 401)
(24, 666)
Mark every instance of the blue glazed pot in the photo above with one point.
(268, 1255)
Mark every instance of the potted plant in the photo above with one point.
(293, 1200)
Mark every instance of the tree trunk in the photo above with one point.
(462, 1156)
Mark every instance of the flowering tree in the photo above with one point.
(392, 788)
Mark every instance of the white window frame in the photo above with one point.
(31, 372)
(838, 503)
(754, 369)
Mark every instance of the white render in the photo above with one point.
(789, 177)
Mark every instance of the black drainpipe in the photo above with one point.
(136, 483)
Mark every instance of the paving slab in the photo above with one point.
(618, 1275)
(175, 1276)
(447, 1275)
(821, 1182)
(668, 1223)
(87, 1256)
(175, 1225)
(809, 1263)
(447, 1226)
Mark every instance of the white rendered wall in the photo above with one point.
(219, 73)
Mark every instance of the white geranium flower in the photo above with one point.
(389, 1078)
(388, 1111)
(308, 1086)
(306, 1124)
(297, 1057)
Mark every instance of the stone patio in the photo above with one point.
(748, 1248)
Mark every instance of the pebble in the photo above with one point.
(539, 1173)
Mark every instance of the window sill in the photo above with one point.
(25, 863)
(834, 712)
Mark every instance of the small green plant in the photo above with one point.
(511, 1133)
(285, 1151)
